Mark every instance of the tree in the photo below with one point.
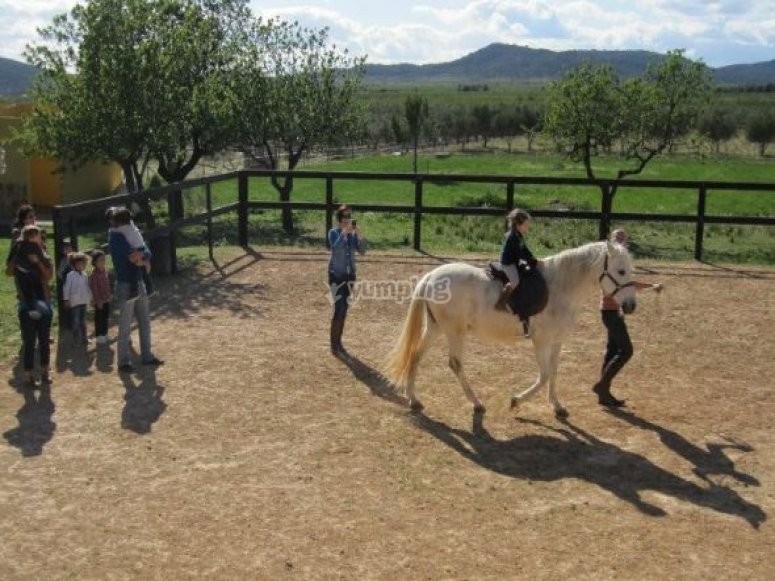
(590, 109)
(130, 81)
(417, 116)
(717, 125)
(483, 117)
(760, 130)
(294, 94)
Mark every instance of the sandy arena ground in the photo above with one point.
(254, 454)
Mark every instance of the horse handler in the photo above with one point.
(619, 347)
(344, 241)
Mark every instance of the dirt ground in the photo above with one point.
(254, 454)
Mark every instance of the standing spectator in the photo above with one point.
(344, 240)
(35, 311)
(101, 296)
(135, 239)
(125, 264)
(63, 269)
(77, 296)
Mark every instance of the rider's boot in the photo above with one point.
(503, 300)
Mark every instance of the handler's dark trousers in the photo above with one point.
(619, 347)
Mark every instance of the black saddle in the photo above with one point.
(531, 295)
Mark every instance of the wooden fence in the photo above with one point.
(66, 218)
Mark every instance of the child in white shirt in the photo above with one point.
(77, 296)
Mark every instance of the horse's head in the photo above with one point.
(616, 279)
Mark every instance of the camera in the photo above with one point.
(354, 223)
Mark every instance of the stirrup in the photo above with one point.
(526, 328)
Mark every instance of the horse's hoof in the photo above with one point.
(561, 413)
(479, 409)
(514, 402)
(415, 405)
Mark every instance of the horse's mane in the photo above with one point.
(567, 268)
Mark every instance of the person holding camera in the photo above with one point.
(345, 240)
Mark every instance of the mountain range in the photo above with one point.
(495, 62)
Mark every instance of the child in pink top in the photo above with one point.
(101, 296)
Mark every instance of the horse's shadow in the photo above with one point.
(578, 454)
(36, 427)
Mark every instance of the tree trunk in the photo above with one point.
(134, 184)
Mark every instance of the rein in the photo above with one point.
(613, 279)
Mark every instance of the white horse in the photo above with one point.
(457, 299)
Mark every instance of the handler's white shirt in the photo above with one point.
(77, 291)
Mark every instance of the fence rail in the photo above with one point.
(66, 218)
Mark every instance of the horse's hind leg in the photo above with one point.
(456, 364)
(430, 332)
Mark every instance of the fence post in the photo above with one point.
(242, 210)
(510, 196)
(329, 207)
(700, 231)
(56, 219)
(605, 211)
(209, 206)
(175, 211)
(417, 213)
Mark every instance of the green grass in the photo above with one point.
(445, 234)
(9, 322)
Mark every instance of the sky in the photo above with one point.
(718, 32)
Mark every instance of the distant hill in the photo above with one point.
(755, 74)
(15, 77)
(505, 62)
(496, 62)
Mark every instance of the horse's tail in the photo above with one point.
(403, 358)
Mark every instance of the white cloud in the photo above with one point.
(720, 31)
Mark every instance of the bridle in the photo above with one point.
(608, 275)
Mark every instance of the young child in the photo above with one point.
(63, 269)
(27, 252)
(77, 296)
(514, 254)
(120, 220)
(101, 296)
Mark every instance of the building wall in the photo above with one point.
(36, 179)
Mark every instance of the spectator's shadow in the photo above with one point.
(143, 400)
(579, 455)
(77, 358)
(708, 461)
(105, 355)
(36, 427)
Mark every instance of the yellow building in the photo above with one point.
(36, 179)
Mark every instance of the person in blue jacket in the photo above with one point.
(345, 240)
(128, 276)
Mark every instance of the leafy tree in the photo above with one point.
(484, 117)
(295, 93)
(590, 109)
(760, 130)
(131, 81)
(717, 125)
(417, 117)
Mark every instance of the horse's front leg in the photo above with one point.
(544, 359)
(554, 362)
